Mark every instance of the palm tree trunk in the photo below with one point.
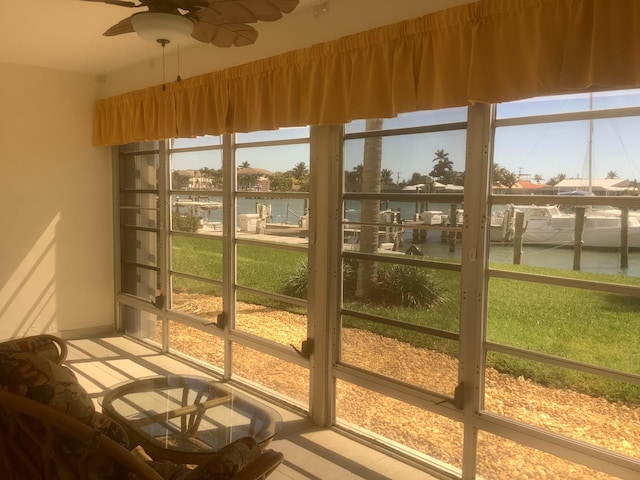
(370, 209)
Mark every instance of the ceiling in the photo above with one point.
(67, 34)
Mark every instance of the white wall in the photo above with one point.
(56, 240)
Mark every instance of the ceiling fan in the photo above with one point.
(220, 22)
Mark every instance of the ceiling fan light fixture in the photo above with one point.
(162, 27)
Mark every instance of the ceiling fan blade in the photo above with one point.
(286, 6)
(189, 5)
(245, 11)
(225, 35)
(123, 26)
(220, 22)
(120, 3)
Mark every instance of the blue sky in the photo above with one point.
(553, 148)
(544, 149)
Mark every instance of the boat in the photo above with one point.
(199, 204)
(547, 225)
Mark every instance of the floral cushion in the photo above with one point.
(221, 465)
(39, 379)
(226, 462)
(35, 377)
(110, 428)
(42, 345)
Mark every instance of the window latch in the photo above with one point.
(306, 349)
(158, 302)
(458, 396)
(221, 320)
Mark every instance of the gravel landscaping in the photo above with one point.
(613, 426)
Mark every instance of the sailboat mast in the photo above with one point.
(590, 187)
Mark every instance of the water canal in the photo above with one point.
(606, 261)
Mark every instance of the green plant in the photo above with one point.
(576, 324)
(185, 223)
(400, 285)
(296, 284)
(349, 276)
(408, 286)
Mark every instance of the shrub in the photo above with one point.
(297, 283)
(399, 285)
(185, 223)
(408, 286)
(350, 276)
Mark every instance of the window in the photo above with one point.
(236, 216)
(452, 284)
(138, 218)
(564, 281)
(272, 202)
(403, 201)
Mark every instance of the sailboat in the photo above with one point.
(547, 225)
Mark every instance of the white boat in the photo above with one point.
(547, 225)
(201, 204)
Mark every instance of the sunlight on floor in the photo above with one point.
(310, 452)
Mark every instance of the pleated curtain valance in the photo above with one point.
(489, 51)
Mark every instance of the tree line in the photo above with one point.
(297, 178)
(294, 179)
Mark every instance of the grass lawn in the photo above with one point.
(586, 326)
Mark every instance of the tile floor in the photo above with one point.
(310, 452)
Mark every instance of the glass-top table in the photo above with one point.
(185, 418)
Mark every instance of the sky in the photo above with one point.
(537, 149)
(553, 148)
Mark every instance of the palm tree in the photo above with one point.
(370, 209)
(300, 171)
(509, 179)
(245, 164)
(503, 177)
(443, 166)
(353, 179)
(612, 174)
(386, 177)
(538, 178)
(557, 179)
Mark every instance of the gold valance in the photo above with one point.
(488, 51)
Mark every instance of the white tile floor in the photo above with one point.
(310, 452)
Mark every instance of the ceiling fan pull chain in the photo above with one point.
(164, 86)
(178, 79)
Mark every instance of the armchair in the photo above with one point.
(42, 443)
(49, 429)
(50, 347)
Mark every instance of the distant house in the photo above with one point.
(525, 187)
(192, 180)
(604, 186)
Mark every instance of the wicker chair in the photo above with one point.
(38, 442)
(50, 431)
(50, 347)
(262, 467)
